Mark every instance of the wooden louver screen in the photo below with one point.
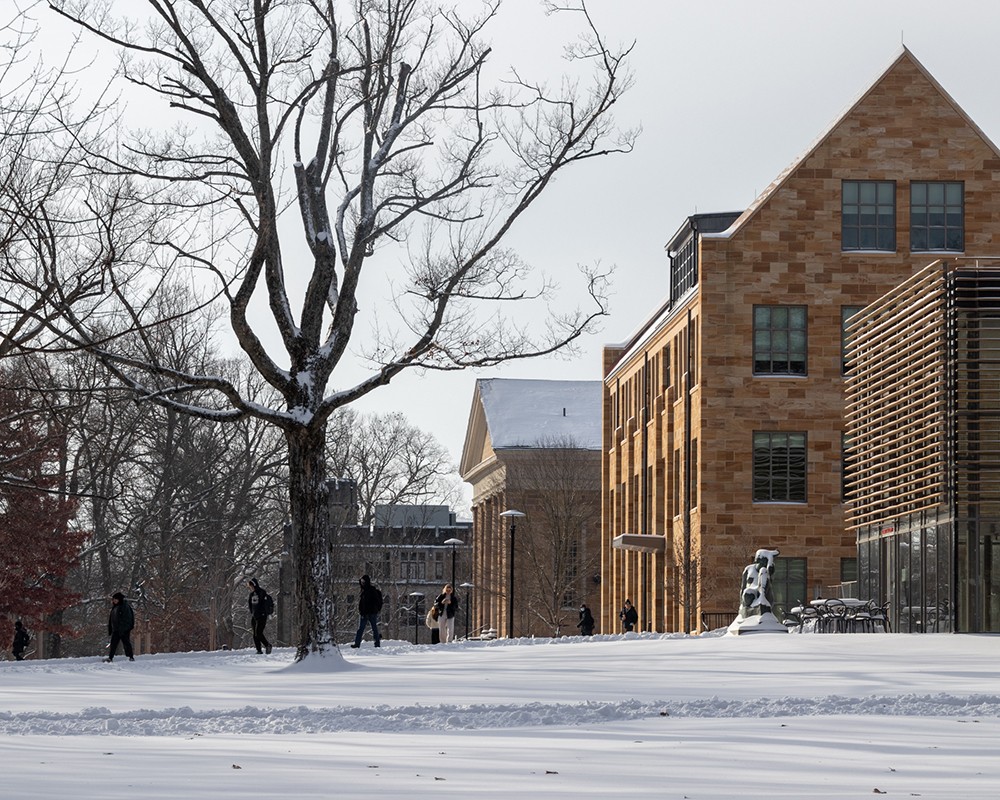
(923, 398)
(897, 402)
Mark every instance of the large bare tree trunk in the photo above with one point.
(308, 497)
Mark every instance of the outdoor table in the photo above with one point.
(850, 602)
(838, 614)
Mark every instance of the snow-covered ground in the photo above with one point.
(665, 716)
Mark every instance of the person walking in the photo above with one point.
(121, 621)
(369, 606)
(586, 623)
(20, 643)
(447, 603)
(629, 616)
(260, 605)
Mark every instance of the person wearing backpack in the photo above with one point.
(369, 606)
(121, 621)
(21, 639)
(629, 617)
(261, 605)
(447, 606)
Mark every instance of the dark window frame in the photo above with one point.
(868, 216)
(780, 467)
(937, 219)
(776, 350)
(684, 269)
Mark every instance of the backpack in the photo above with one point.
(378, 599)
(268, 604)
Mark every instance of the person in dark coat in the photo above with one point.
(447, 606)
(629, 616)
(21, 640)
(369, 606)
(121, 620)
(586, 623)
(257, 603)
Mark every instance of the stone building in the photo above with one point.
(533, 446)
(723, 415)
(409, 551)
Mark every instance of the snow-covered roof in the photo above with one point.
(530, 413)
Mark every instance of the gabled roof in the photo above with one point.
(513, 413)
(778, 182)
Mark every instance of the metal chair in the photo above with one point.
(833, 616)
(880, 616)
(806, 614)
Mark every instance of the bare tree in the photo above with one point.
(183, 508)
(391, 461)
(399, 153)
(23, 100)
(558, 553)
(42, 120)
(179, 509)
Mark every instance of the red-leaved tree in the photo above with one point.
(38, 543)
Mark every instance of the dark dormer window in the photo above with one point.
(683, 269)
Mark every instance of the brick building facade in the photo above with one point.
(723, 415)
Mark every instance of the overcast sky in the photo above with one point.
(728, 94)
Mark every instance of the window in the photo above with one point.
(683, 269)
(693, 479)
(868, 215)
(779, 340)
(676, 483)
(779, 467)
(846, 312)
(788, 584)
(937, 216)
(694, 335)
(413, 565)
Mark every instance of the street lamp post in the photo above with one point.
(416, 597)
(512, 515)
(454, 543)
(468, 602)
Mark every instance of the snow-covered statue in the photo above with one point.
(755, 591)
(756, 598)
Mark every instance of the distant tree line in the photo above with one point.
(100, 492)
